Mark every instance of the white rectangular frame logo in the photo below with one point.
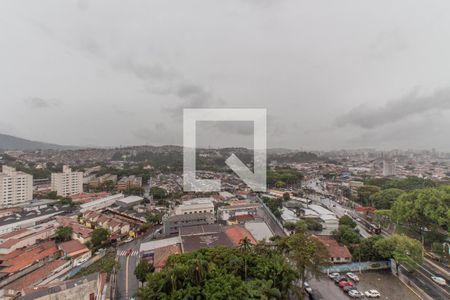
(256, 180)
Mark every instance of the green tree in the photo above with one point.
(347, 235)
(421, 209)
(64, 233)
(154, 218)
(142, 270)
(384, 199)
(366, 250)
(158, 193)
(347, 221)
(289, 226)
(402, 249)
(218, 273)
(364, 193)
(274, 204)
(286, 196)
(313, 224)
(99, 237)
(308, 254)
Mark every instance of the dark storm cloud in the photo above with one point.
(40, 103)
(397, 110)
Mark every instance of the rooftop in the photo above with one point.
(259, 230)
(237, 233)
(37, 275)
(131, 199)
(201, 229)
(73, 246)
(333, 247)
(195, 242)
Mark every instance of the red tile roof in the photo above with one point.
(242, 218)
(28, 257)
(37, 275)
(334, 249)
(73, 247)
(162, 254)
(237, 233)
(12, 234)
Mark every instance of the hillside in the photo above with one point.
(9, 142)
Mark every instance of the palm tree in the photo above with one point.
(245, 245)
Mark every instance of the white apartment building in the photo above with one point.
(15, 187)
(195, 206)
(67, 183)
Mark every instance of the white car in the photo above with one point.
(333, 275)
(372, 294)
(352, 276)
(439, 280)
(355, 294)
(308, 288)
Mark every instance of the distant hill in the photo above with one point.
(9, 142)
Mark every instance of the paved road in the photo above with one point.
(127, 284)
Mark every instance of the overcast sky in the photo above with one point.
(332, 74)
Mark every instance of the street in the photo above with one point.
(127, 284)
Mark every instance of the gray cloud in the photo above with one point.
(244, 128)
(157, 135)
(40, 103)
(396, 110)
(192, 96)
(145, 71)
(420, 131)
(388, 43)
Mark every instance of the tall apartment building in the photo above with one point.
(15, 187)
(388, 168)
(67, 183)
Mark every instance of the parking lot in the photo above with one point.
(383, 281)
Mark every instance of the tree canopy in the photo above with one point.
(99, 237)
(404, 250)
(384, 199)
(365, 192)
(407, 184)
(64, 233)
(423, 208)
(348, 221)
(219, 273)
(142, 270)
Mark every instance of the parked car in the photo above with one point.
(348, 288)
(339, 279)
(353, 276)
(372, 294)
(439, 280)
(308, 288)
(355, 294)
(333, 275)
(344, 283)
